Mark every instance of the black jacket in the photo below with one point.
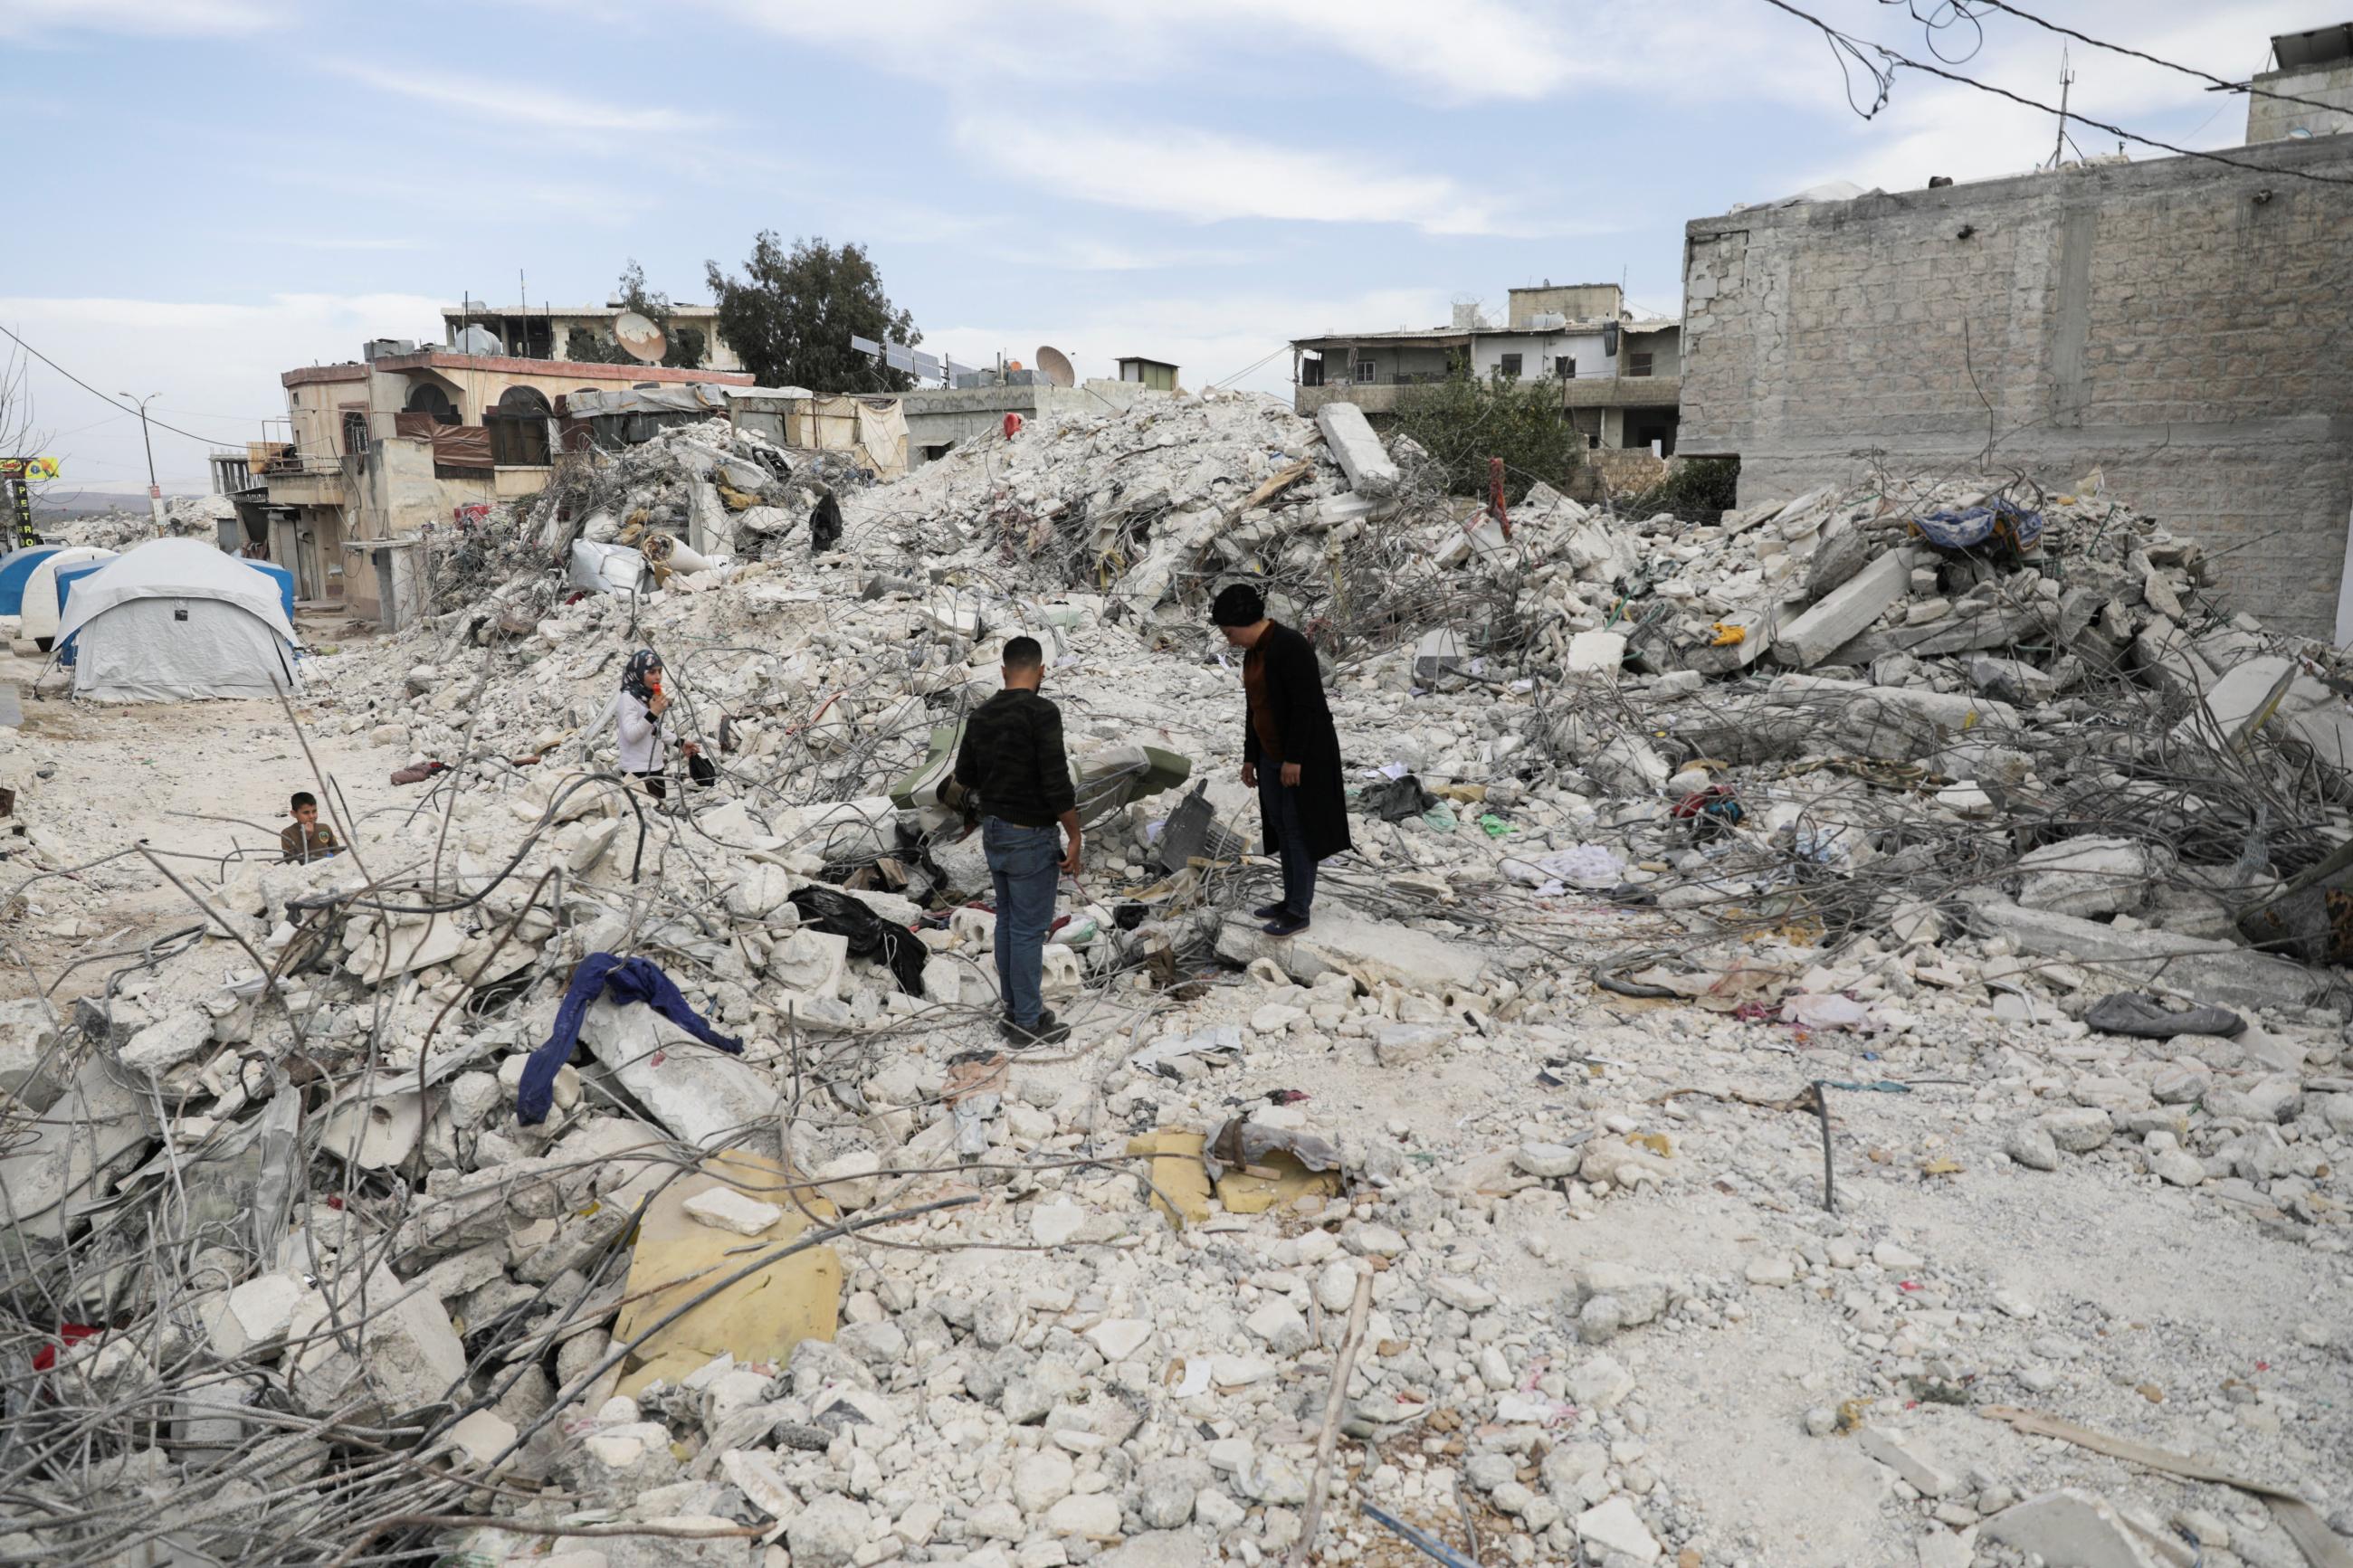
(1012, 757)
(1295, 693)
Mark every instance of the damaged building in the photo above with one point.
(2178, 323)
(404, 439)
(1620, 374)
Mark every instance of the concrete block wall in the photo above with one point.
(2184, 327)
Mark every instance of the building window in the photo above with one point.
(1565, 366)
(1508, 367)
(1638, 361)
(519, 427)
(426, 398)
(1364, 373)
(354, 433)
(1310, 370)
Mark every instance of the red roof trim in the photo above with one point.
(569, 369)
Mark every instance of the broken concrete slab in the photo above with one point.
(1845, 613)
(701, 1095)
(2164, 658)
(1370, 952)
(2209, 972)
(60, 1168)
(374, 1351)
(416, 943)
(2069, 1529)
(1906, 1457)
(2091, 874)
(374, 1129)
(1356, 448)
(32, 1063)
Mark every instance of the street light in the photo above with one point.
(154, 491)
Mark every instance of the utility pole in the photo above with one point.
(154, 491)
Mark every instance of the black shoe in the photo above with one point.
(1285, 923)
(1266, 912)
(1045, 1032)
(1008, 1028)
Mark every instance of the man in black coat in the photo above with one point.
(1290, 753)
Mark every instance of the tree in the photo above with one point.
(1461, 422)
(792, 314)
(683, 347)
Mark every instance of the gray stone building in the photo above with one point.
(2184, 326)
(2309, 89)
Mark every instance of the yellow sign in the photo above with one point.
(28, 467)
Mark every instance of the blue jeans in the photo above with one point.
(1281, 805)
(1024, 863)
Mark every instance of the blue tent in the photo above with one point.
(14, 567)
(285, 584)
(65, 580)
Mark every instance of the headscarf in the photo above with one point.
(642, 663)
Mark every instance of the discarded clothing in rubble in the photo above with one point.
(2014, 526)
(624, 980)
(1394, 800)
(870, 936)
(2144, 1017)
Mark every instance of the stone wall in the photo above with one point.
(2183, 326)
(2273, 118)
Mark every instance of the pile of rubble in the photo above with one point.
(325, 1241)
(123, 526)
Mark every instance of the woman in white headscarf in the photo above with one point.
(644, 731)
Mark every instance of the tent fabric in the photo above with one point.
(143, 651)
(176, 619)
(179, 569)
(38, 614)
(15, 568)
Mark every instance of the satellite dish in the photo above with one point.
(1057, 365)
(638, 337)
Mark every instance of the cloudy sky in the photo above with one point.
(219, 190)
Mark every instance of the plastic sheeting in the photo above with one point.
(610, 568)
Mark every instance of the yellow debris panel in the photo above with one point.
(1279, 1182)
(761, 1317)
(1178, 1171)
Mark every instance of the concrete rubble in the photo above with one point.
(1686, 851)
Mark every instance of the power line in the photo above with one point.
(1846, 46)
(111, 402)
(2219, 82)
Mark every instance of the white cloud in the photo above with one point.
(214, 366)
(1457, 49)
(158, 18)
(1206, 177)
(593, 118)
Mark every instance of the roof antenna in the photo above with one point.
(2066, 81)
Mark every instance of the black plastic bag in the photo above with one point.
(870, 936)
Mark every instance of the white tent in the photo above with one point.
(37, 616)
(176, 619)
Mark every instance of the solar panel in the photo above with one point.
(898, 356)
(865, 345)
(926, 364)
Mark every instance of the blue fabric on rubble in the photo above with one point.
(624, 980)
(1961, 530)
